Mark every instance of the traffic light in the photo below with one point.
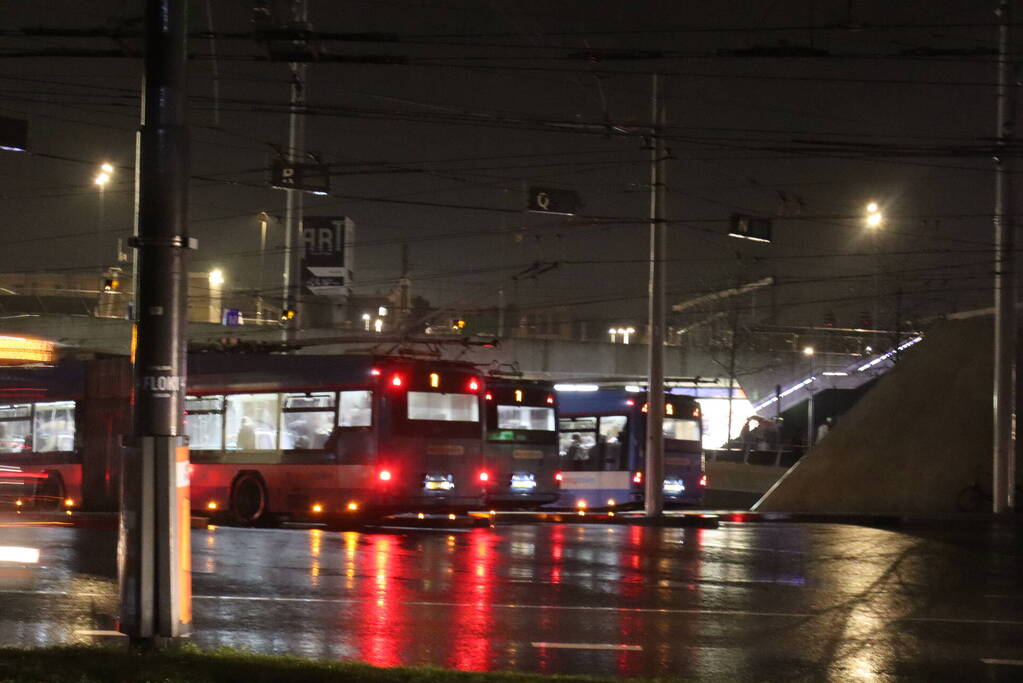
(287, 314)
(458, 324)
(865, 321)
(111, 284)
(829, 319)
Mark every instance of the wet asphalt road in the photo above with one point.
(744, 602)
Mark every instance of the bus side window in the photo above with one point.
(15, 428)
(251, 421)
(204, 422)
(612, 440)
(355, 409)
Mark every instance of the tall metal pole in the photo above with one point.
(153, 546)
(1003, 470)
(264, 219)
(296, 152)
(654, 487)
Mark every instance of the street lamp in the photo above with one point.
(216, 280)
(100, 180)
(873, 217)
(809, 352)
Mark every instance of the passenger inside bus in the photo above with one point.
(246, 435)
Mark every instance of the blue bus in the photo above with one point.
(602, 439)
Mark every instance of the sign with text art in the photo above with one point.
(327, 254)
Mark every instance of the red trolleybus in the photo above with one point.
(271, 436)
(521, 446)
(602, 436)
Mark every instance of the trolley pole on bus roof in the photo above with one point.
(154, 556)
(654, 475)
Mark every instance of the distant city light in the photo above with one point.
(216, 277)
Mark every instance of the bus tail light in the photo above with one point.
(484, 476)
(550, 399)
(396, 381)
(385, 475)
(637, 478)
(212, 505)
(558, 476)
(703, 481)
(473, 384)
(69, 502)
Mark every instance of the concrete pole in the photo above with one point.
(294, 198)
(654, 475)
(1003, 469)
(153, 546)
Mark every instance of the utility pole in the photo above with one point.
(154, 556)
(654, 474)
(1003, 469)
(295, 154)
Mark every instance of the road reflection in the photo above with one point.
(837, 603)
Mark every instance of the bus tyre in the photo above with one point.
(50, 493)
(248, 498)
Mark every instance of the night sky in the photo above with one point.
(890, 101)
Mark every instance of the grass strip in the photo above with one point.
(102, 664)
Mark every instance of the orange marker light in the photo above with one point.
(317, 507)
(212, 505)
(353, 506)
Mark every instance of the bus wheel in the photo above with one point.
(50, 494)
(248, 498)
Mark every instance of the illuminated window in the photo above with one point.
(684, 430)
(15, 428)
(356, 409)
(251, 422)
(204, 422)
(443, 407)
(525, 417)
(54, 427)
(307, 420)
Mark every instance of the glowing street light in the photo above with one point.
(216, 277)
(874, 218)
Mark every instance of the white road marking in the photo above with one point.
(1004, 662)
(101, 634)
(589, 646)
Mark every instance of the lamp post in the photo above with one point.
(264, 219)
(874, 220)
(808, 352)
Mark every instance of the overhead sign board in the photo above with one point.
(550, 200)
(750, 228)
(326, 262)
(13, 134)
(313, 178)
